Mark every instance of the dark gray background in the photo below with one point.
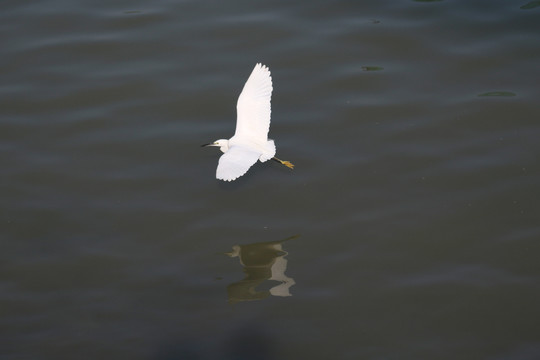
(414, 197)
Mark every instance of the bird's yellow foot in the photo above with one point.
(286, 163)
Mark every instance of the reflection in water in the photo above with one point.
(261, 261)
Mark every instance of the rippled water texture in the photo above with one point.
(408, 229)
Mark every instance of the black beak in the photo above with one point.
(203, 145)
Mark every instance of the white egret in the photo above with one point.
(250, 141)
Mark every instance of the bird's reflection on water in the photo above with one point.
(261, 261)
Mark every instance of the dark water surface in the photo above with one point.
(409, 229)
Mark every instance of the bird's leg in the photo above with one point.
(286, 163)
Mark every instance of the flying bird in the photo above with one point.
(250, 141)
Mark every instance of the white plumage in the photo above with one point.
(253, 107)
(250, 141)
(236, 162)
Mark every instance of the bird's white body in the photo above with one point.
(250, 141)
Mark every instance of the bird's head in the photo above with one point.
(222, 143)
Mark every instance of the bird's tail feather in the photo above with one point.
(270, 151)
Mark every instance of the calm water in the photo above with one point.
(408, 230)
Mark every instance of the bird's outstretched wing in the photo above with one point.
(235, 163)
(253, 106)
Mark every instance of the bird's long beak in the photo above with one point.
(203, 145)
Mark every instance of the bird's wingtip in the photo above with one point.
(226, 179)
(262, 66)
